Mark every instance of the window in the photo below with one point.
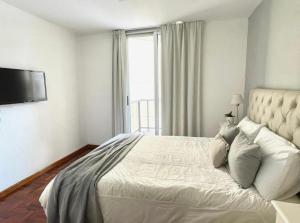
(144, 86)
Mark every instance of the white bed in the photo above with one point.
(171, 179)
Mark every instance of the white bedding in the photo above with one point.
(171, 179)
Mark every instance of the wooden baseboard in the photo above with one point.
(56, 164)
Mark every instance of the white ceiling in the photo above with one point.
(84, 16)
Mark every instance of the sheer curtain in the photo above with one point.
(120, 82)
(181, 47)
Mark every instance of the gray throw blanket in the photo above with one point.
(73, 197)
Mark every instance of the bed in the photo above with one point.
(171, 179)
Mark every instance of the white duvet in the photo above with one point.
(171, 179)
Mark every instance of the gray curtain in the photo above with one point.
(120, 82)
(181, 48)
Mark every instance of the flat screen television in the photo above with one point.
(20, 86)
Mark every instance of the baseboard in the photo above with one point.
(56, 164)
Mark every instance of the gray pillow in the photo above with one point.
(244, 159)
(229, 132)
(218, 150)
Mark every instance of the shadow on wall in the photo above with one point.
(227, 10)
(257, 48)
(273, 46)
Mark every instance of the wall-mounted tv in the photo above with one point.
(20, 86)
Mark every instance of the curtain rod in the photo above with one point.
(150, 29)
(142, 31)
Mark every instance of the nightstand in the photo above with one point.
(287, 211)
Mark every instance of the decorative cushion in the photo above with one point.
(218, 151)
(229, 132)
(250, 128)
(279, 174)
(243, 160)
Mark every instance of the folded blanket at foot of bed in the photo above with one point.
(73, 197)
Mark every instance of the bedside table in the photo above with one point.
(287, 211)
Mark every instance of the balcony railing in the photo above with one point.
(143, 116)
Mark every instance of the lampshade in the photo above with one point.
(236, 99)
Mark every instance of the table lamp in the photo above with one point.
(237, 99)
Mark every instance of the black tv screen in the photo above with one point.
(20, 86)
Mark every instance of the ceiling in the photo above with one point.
(86, 16)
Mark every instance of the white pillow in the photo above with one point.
(279, 173)
(250, 128)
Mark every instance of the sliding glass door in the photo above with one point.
(144, 83)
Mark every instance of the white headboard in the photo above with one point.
(279, 110)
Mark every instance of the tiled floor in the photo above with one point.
(23, 205)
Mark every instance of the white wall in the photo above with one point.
(35, 135)
(95, 80)
(224, 62)
(283, 56)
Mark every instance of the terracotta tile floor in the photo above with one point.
(23, 205)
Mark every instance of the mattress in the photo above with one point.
(171, 179)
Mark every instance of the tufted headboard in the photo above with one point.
(279, 110)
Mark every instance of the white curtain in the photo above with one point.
(181, 47)
(120, 82)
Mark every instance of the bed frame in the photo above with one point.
(279, 110)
